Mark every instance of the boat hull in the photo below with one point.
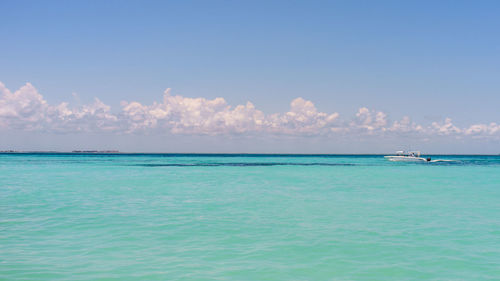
(405, 158)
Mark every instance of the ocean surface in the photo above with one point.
(248, 217)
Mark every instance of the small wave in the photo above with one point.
(258, 164)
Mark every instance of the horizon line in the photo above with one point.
(105, 152)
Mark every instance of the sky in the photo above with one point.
(250, 76)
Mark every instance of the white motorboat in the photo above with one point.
(407, 156)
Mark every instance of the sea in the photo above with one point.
(78, 216)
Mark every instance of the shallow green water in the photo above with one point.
(248, 217)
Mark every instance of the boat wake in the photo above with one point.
(443, 160)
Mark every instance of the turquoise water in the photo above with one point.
(248, 217)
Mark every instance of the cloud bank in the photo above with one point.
(27, 110)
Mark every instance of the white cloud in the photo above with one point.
(405, 125)
(370, 120)
(27, 110)
(483, 129)
(201, 116)
(22, 109)
(178, 114)
(445, 128)
(303, 117)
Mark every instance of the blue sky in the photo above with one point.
(428, 60)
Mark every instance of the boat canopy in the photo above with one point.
(408, 153)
